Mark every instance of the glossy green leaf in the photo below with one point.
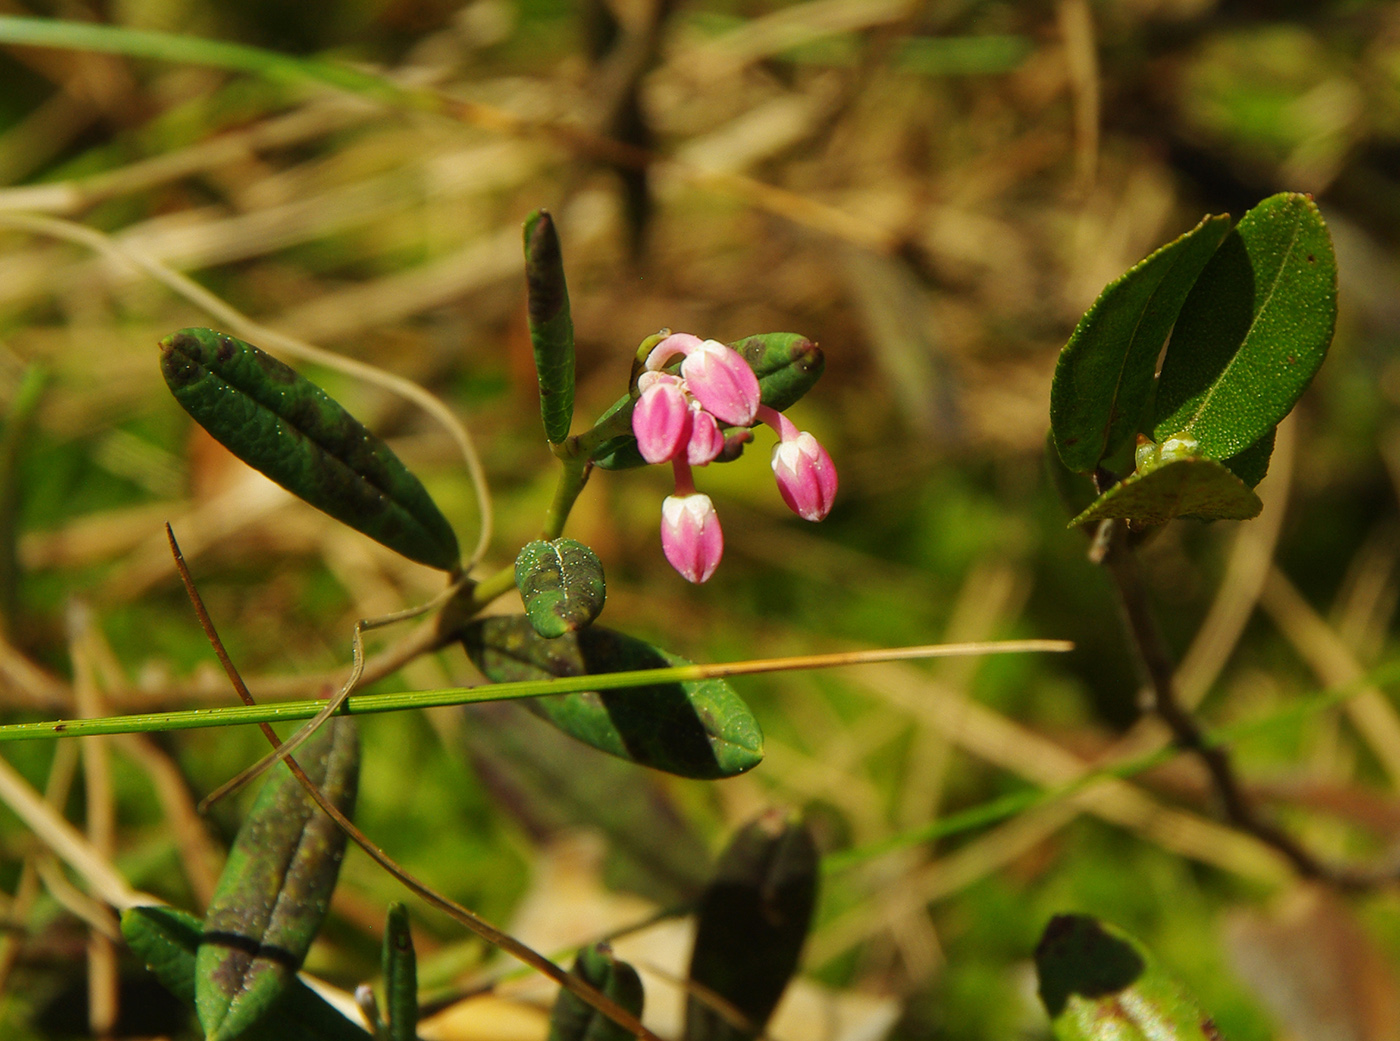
(1201, 489)
(400, 967)
(573, 1020)
(551, 326)
(751, 923)
(1100, 984)
(1252, 332)
(1103, 379)
(561, 584)
(289, 429)
(698, 729)
(787, 365)
(166, 940)
(276, 886)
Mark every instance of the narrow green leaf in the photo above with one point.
(787, 365)
(291, 430)
(276, 886)
(166, 940)
(698, 729)
(400, 967)
(751, 924)
(551, 327)
(1100, 984)
(1252, 332)
(1103, 379)
(572, 1020)
(1201, 489)
(561, 583)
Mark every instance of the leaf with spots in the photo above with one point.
(166, 939)
(291, 430)
(1252, 332)
(699, 729)
(276, 886)
(561, 584)
(1099, 984)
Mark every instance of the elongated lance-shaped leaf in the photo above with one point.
(698, 729)
(1201, 489)
(1104, 376)
(1100, 984)
(400, 967)
(276, 886)
(551, 326)
(572, 1020)
(291, 430)
(751, 924)
(787, 365)
(166, 939)
(561, 584)
(1253, 330)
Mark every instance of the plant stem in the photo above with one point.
(1156, 661)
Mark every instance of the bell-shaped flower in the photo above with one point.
(804, 471)
(706, 439)
(719, 378)
(691, 536)
(661, 420)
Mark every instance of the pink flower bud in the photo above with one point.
(691, 536)
(806, 476)
(661, 420)
(706, 441)
(720, 379)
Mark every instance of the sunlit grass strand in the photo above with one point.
(398, 701)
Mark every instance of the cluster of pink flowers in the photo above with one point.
(677, 420)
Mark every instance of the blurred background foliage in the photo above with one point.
(934, 191)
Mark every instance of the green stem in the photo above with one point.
(573, 475)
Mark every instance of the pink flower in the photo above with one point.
(691, 535)
(706, 440)
(661, 420)
(715, 375)
(805, 473)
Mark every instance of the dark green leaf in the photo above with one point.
(551, 327)
(1076, 490)
(400, 967)
(1252, 464)
(1252, 332)
(291, 430)
(572, 1020)
(561, 583)
(787, 365)
(1099, 984)
(751, 924)
(166, 940)
(1201, 489)
(276, 886)
(1104, 376)
(698, 729)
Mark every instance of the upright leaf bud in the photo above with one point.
(551, 326)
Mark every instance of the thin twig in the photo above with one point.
(482, 928)
(1187, 734)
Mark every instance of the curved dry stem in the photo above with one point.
(249, 329)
